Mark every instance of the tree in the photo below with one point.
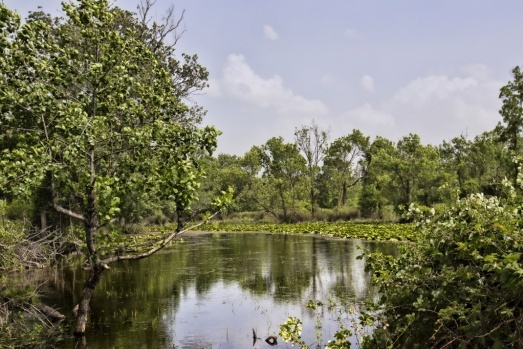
(312, 142)
(88, 109)
(344, 159)
(372, 200)
(223, 172)
(280, 185)
(413, 172)
(477, 165)
(512, 112)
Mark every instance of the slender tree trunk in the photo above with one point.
(312, 199)
(43, 224)
(344, 194)
(83, 307)
(283, 206)
(97, 268)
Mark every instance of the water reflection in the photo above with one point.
(211, 290)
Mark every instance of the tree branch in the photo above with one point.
(153, 250)
(67, 212)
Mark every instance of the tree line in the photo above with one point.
(375, 178)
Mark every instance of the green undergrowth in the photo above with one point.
(349, 230)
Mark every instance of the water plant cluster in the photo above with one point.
(346, 230)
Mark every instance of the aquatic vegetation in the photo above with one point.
(347, 230)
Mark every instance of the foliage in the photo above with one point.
(344, 164)
(21, 323)
(352, 324)
(474, 166)
(100, 113)
(277, 177)
(371, 200)
(410, 172)
(290, 331)
(312, 143)
(21, 247)
(460, 286)
(512, 112)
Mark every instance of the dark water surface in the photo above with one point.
(211, 290)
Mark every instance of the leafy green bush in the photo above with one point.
(460, 286)
(17, 210)
(22, 325)
(335, 215)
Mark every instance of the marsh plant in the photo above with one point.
(353, 319)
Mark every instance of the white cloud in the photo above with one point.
(270, 33)
(367, 115)
(242, 83)
(421, 91)
(352, 34)
(366, 118)
(367, 82)
(478, 71)
(436, 107)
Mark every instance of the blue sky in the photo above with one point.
(388, 68)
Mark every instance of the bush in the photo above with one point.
(460, 286)
(17, 210)
(336, 215)
(259, 217)
(21, 324)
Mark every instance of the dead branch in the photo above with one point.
(170, 25)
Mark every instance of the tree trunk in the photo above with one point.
(83, 307)
(312, 199)
(43, 224)
(344, 194)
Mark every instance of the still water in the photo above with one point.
(211, 290)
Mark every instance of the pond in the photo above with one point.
(211, 290)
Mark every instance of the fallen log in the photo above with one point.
(50, 312)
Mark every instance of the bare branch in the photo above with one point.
(169, 24)
(143, 11)
(153, 250)
(67, 212)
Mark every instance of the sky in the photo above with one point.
(387, 68)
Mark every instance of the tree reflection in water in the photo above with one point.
(211, 290)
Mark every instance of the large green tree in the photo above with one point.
(512, 112)
(413, 172)
(277, 177)
(344, 163)
(372, 200)
(312, 141)
(90, 111)
(473, 166)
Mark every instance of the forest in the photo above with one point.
(99, 141)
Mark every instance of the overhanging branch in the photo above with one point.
(153, 250)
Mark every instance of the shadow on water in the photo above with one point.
(211, 290)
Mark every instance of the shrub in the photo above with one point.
(22, 325)
(460, 286)
(17, 210)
